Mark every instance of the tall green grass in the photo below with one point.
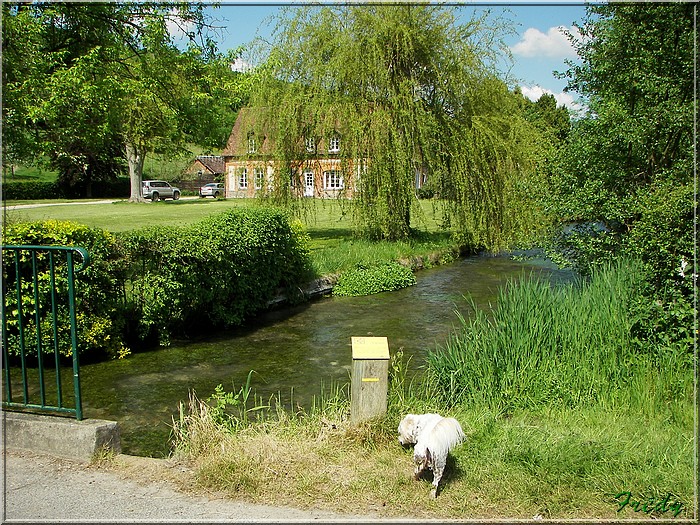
(567, 345)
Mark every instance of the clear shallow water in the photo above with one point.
(293, 351)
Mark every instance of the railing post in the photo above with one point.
(74, 339)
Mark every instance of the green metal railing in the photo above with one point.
(38, 305)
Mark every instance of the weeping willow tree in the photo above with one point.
(411, 92)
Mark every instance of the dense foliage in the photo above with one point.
(628, 163)
(624, 181)
(368, 279)
(147, 285)
(95, 86)
(97, 288)
(218, 271)
(55, 190)
(412, 92)
(621, 188)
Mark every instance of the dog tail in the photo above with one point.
(446, 435)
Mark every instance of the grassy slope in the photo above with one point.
(554, 463)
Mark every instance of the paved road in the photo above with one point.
(75, 203)
(45, 488)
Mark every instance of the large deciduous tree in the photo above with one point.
(90, 85)
(411, 90)
(632, 154)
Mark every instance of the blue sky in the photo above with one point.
(538, 47)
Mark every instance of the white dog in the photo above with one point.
(434, 436)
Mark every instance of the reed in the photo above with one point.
(543, 345)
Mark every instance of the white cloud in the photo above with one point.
(563, 99)
(177, 27)
(534, 43)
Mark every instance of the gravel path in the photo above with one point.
(37, 487)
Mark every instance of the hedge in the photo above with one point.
(38, 190)
(34, 190)
(100, 323)
(148, 285)
(216, 272)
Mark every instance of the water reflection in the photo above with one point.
(292, 351)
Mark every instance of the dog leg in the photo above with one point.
(421, 465)
(438, 469)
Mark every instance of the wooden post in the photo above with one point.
(370, 377)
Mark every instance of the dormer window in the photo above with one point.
(334, 144)
(310, 144)
(252, 143)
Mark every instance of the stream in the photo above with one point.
(293, 351)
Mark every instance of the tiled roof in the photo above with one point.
(214, 163)
(247, 121)
(251, 120)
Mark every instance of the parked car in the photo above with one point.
(159, 189)
(213, 189)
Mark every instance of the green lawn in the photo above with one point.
(330, 226)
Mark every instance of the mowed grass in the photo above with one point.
(333, 247)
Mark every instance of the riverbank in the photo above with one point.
(565, 418)
(558, 464)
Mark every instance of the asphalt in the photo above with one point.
(42, 488)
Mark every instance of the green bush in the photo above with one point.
(38, 190)
(217, 272)
(157, 282)
(367, 280)
(31, 190)
(97, 289)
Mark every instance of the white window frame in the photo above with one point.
(258, 177)
(333, 180)
(334, 144)
(310, 143)
(242, 178)
(252, 143)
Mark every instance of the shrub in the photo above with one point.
(30, 190)
(367, 280)
(217, 272)
(156, 282)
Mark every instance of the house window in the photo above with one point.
(252, 143)
(310, 145)
(334, 144)
(258, 176)
(243, 178)
(332, 180)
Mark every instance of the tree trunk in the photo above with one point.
(135, 157)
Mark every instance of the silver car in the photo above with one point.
(159, 189)
(213, 189)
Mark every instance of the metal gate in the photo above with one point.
(39, 327)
